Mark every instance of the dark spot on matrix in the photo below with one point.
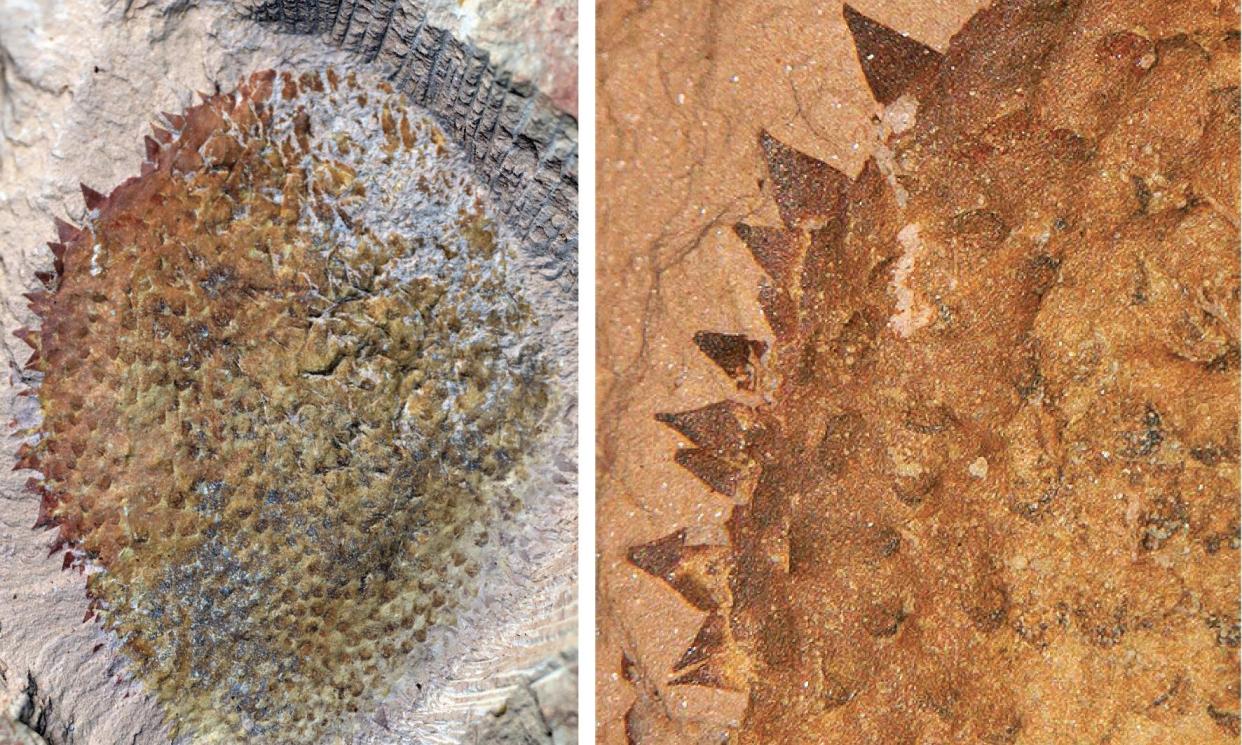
(992, 457)
(284, 376)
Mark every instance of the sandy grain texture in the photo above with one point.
(684, 93)
(683, 90)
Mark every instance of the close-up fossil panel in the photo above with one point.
(918, 394)
(292, 377)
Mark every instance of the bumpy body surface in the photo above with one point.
(283, 382)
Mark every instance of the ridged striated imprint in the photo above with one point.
(985, 470)
(283, 377)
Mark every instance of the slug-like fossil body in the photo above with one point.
(283, 377)
(985, 470)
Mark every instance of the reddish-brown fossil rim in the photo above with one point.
(168, 154)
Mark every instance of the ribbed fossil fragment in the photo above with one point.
(986, 488)
(284, 377)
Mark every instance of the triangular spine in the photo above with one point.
(890, 61)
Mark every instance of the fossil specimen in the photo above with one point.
(985, 471)
(283, 379)
(520, 143)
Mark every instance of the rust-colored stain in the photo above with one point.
(978, 482)
(282, 378)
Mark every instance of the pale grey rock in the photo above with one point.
(536, 41)
(541, 710)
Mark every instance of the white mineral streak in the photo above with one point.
(910, 317)
(886, 161)
(899, 116)
(79, 80)
(896, 118)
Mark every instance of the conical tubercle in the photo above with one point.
(152, 148)
(809, 192)
(91, 198)
(65, 232)
(700, 574)
(695, 572)
(29, 336)
(778, 251)
(891, 61)
(724, 427)
(721, 475)
(708, 642)
(706, 662)
(736, 354)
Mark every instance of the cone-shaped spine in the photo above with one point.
(777, 250)
(660, 557)
(47, 504)
(92, 198)
(709, 642)
(65, 232)
(37, 300)
(890, 61)
(779, 310)
(30, 336)
(680, 566)
(809, 192)
(736, 354)
(710, 674)
(719, 474)
(153, 148)
(721, 426)
(27, 457)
